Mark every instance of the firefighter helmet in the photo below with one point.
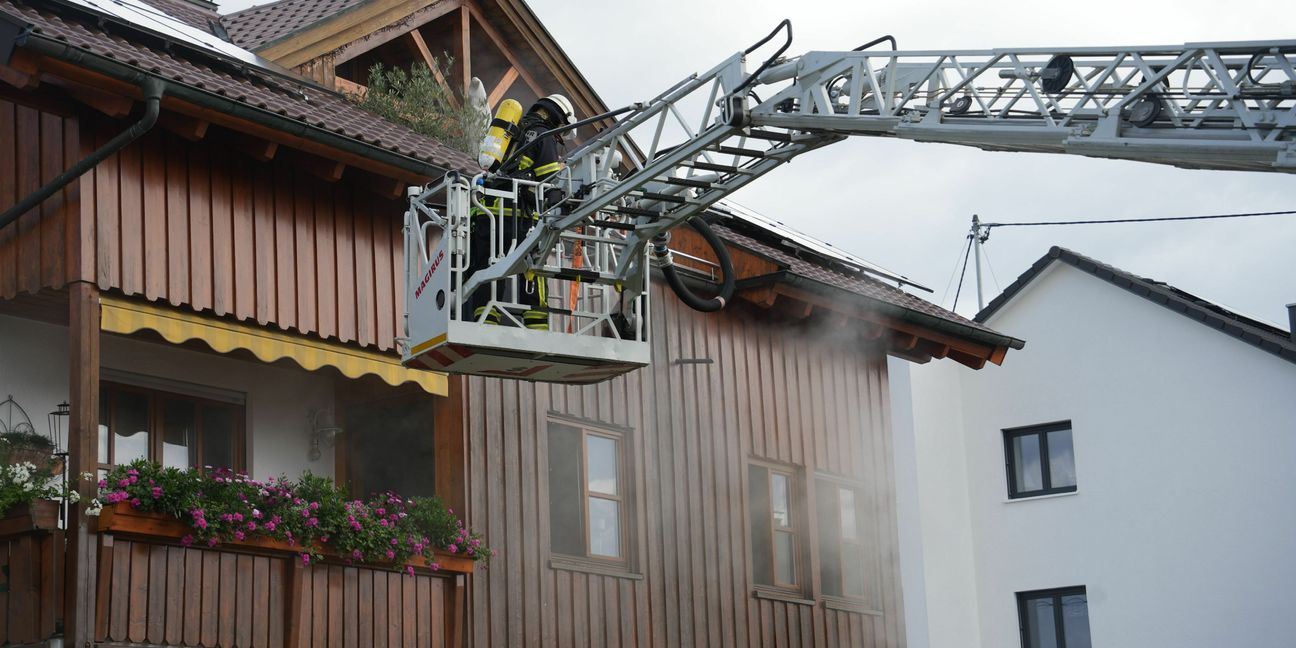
(557, 111)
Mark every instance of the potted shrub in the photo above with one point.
(18, 447)
(29, 496)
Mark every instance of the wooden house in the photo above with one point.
(243, 255)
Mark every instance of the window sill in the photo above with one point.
(848, 605)
(778, 595)
(586, 567)
(1032, 498)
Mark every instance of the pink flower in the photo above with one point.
(452, 549)
(187, 540)
(157, 492)
(238, 535)
(409, 569)
(436, 566)
(395, 542)
(312, 522)
(305, 559)
(270, 526)
(135, 502)
(251, 526)
(211, 542)
(391, 555)
(123, 483)
(356, 554)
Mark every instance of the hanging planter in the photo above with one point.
(40, 515)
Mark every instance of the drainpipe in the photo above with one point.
(152, 88)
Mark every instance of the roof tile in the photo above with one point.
(256, 26)
(298, 100)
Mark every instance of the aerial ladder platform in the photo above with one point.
(1226, 105)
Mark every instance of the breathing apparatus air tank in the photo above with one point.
(502, 130)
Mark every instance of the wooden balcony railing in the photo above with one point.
(31, 575)
(260, 594)
(151, 590)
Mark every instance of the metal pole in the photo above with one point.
(976, 246)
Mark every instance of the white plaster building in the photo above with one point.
(1171, 498)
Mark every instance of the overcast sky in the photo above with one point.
(907, 206)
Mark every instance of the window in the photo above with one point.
(1041, 460)
(175, 430)
(845, 564)
(775, 516)
(389, 446)
(1057, 618)
(588, 493)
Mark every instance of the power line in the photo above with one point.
(962, 274)
(1140, 220)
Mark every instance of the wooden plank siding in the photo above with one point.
(200, 225)
(778, 390)
(35, 146)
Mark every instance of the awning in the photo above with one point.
(177, 326)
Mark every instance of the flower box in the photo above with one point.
(41, 515)
(122, 519)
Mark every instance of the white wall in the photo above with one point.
(1183, 527)
(34, 365)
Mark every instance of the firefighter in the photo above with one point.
(526, 159)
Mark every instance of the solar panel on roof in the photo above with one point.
(810, 243)
(150, 19)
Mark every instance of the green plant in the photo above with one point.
(418, 100)
(311, 513)
(27, 440)
(25, 482)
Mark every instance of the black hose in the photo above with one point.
(769, 61)
(706, 305)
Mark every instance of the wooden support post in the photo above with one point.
(449, 449)
(83, 374)
(463, 48)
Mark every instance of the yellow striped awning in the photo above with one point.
(177, 326)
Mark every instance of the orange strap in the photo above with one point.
(573, 288)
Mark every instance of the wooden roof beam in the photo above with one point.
(975, 362)
(261, 150)
(502, 88)
(323, 168)
(190, 128)
(22, 72)
(382, 35)
(503, 48)
(426, 53)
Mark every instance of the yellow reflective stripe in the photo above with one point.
(525, 163)
(552, 167)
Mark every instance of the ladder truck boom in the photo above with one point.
(1227, 105)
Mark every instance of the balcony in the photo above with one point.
(152, 590)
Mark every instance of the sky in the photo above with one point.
(907, 206)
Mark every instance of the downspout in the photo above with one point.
(152, 88)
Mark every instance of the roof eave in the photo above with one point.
(61, 51)
(900, 313)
